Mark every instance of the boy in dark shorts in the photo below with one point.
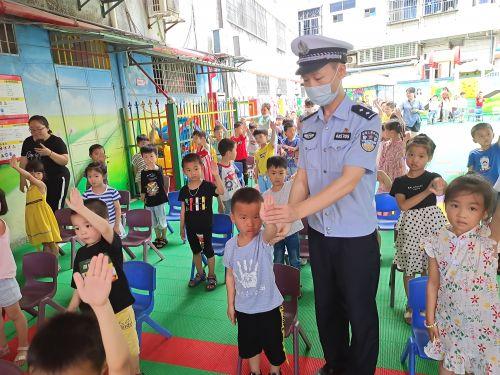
(154, 193)
(197, 216)
(253, 298)
(90, 219)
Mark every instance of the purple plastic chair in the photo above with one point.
(288, 282)
(140, 218)
(36, 293)
(63, 217)
(9, 368)
(124, 203)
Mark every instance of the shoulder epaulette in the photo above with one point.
(305, 118)
(364, 112)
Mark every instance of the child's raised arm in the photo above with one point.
(218, 181)
(25, 174)
(272, 232)
(94, 290)
(75, 202)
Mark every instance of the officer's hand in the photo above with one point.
(278, 214)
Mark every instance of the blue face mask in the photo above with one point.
(323, 95)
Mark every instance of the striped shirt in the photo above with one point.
(109, 197)
(140, 165)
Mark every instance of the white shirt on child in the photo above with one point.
(229, 180)
(281, 197)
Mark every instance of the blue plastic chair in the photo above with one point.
(222, 231)
(419, 337)
(239, 172)
(388, 211)
(142, 277)
(174, 209)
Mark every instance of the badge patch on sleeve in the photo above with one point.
(309, 135)
(369, 139)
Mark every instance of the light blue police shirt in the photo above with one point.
(349, 138)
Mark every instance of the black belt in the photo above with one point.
(35, 201)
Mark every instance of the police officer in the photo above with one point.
(334, 187)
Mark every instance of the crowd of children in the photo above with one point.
(266, 158)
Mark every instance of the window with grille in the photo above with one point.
(342, 5)
(338, 17)
(248, 15)
(282, 86)
(389, 53)
(310, 21)
(174, 77)
(370, 12)
(8, 43)
(68, 50)
(402, 10)
(262, 85)
(439, 6)
(280, 36)
(479, 2)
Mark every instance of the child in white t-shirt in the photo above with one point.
(277, 172)
(227, 171)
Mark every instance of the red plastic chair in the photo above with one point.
(36, 294)
(288, 282)
(9, 368)
(124, 204)
(136, 219)
(304, 240)
(63, 217)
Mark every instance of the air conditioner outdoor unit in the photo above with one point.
(352, 59)
(220, 43)
(163, 8)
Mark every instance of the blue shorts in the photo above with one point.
(9, 292)
(159, 216)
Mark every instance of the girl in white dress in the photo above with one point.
(463, 308)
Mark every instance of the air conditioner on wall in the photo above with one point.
(219, 41)
(163, 8)
(352, 60)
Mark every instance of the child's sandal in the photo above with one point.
(197, 280)
(211, 283)
(22, 355)
(5, 350)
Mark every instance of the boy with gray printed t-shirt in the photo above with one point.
(254, 301)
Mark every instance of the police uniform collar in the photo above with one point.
(342, 111)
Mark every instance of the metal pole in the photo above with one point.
(175, 148)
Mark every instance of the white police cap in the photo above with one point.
(315, 51)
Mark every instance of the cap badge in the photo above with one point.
(303, 48)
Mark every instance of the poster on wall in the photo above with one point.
(12, 136)
(12, 101)
(13, 117)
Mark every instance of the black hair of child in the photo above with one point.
(191, 158)
(277, 162)
(95, 205)
(259, 132)
(472, 183)
(226, 145)
(238, 124)
(200, 133)
(66, 341)
(97, 167)
(95, 146)
(142, 138)
(246, 195)
(396, 126)
(217, 127)
(4, 208)
(422, 140)
(287, 124)
(480, 126)
(35, 166)
(149, 150)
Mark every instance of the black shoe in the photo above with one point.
(327, 370)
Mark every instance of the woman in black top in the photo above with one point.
(53, 153)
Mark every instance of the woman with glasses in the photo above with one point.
(53, 153)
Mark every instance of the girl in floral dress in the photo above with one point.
(392, 154)
(463, 307)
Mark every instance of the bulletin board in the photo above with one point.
(13, 117)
